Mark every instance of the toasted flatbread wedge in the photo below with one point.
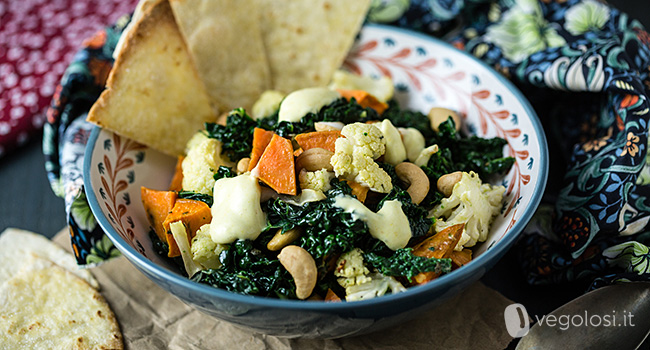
(141, 7)
(225, 43)
(154, 94)
(306, 41)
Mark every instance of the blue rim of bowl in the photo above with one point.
(454, 277)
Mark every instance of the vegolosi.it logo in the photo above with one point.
(517, 320)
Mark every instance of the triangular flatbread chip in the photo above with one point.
(154, 94)
(306, 41)
(225, 42)
(140, 8)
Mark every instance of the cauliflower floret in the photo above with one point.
(204, 251)
(194, 141)
(365, 137)
(377, 286)
(350, 269)
(267, 104)
(381, 88)
(202, 161)
(473, 203)
(355, 154)
(318, 180)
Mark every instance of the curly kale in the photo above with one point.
(483, 156)
(224, 172)
(246, 269)
(328, 229)
(403, 263)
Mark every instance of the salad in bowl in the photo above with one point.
(282, 171)
(332, 193)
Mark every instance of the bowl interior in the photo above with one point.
(426, 73)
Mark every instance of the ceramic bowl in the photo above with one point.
(426, 73)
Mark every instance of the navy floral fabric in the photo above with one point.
(65, 135)
(583, 65)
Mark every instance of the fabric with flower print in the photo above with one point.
(633, 256)
(65, 136)
(583, 65)
(587, 16)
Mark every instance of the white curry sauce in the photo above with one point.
(298, 103)
(389, 225)
(236, 212)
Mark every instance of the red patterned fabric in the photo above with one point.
(38, 39)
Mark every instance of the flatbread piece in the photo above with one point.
(154, 94)
(16, 247)
(53, 309)
(306, 41)
(226, 46)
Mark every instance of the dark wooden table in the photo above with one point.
(27, 202)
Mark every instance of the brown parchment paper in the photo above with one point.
(151, 318)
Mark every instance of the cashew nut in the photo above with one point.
(314, 159)
(281, 240)
(446, 182)
(438, 115)
(328, 126)
(417, 180)
(302, 268)
(242, 165)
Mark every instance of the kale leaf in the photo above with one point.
(247, 270)
(403, 263)
(328, 229)
(481, 155)
(223, 172)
